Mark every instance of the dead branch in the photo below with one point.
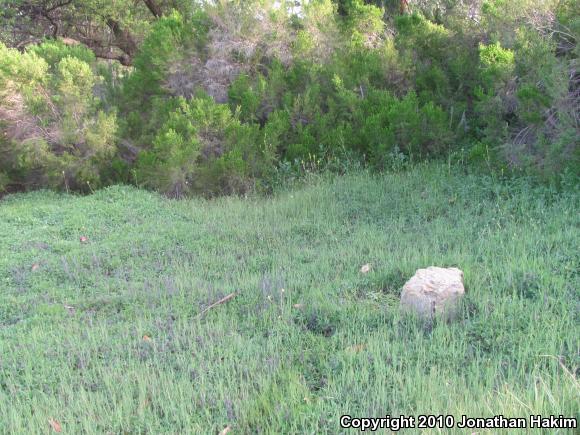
(215, 304)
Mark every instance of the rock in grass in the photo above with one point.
(434, 292)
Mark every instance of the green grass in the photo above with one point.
(72, 330)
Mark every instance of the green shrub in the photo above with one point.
(497, 65)
(53, 51)
(53, 132)
(494, 93)
(203, 148)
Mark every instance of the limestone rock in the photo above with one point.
(434, 292)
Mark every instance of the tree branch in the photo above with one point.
(123, 39)
(58, 5)
(153, 8)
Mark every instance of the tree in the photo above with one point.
(110, 30)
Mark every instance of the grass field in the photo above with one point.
(106, 336)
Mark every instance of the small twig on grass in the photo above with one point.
(215, 304)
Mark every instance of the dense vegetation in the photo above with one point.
(222, 97)
(226, 96)
(105, 336)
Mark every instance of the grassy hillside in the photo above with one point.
(106, 336)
